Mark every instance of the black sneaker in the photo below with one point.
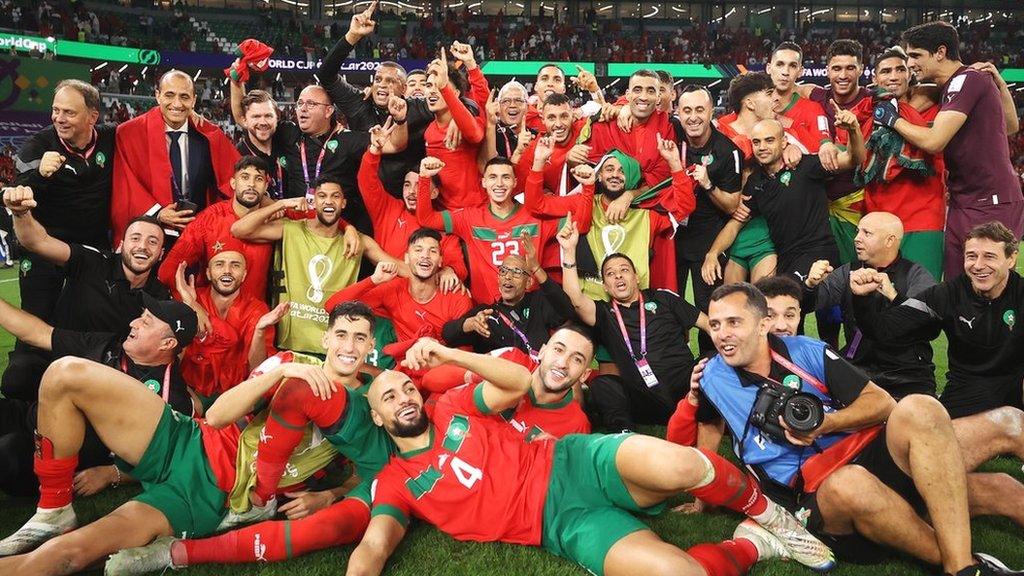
(989, 566)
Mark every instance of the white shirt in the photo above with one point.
(183, 145)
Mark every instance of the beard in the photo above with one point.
(600, 188)
(551, 389)
(240, 198)
(219, 290)
(323, 218)
(401, 430)
(130, 264)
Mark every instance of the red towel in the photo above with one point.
(253, 55)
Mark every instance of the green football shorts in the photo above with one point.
(752, 244)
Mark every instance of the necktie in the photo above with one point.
(176, 162)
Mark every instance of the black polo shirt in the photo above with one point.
(795, 206)
(725, 169)
(283, 160)
(342, 152)
(669, 318)
(73, 204)
(534, 317)
(106, 348)
(97, 296)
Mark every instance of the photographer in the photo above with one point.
(858, 468)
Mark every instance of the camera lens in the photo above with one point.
(803, 412)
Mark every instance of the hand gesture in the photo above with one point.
(430, 167)
(618, 209)
(305, 503)
(273, 317)
(578, 154)
(609, 112)
(542, 153)
(479, 323)
(464, 53)
(864, 281)
(362, 24)
(524, 138)
(669, 152)
(381, 135)
(819, 270)
(493, 108)
(585, 80)
(50, 163)
(439, 69)
(321, 385)
(792, 155)
(585, 174)
(19, 199)
(427, 353)
(529, 252)
(397, 108)
(185, 287)
(569, 235)
(385, 271)
(699, 173)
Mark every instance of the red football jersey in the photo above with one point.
(489, 239)
(393, 300)
(810, 124)
(460, 178)
(476, 481)
(530, 418)
(393, 224)
(219, 361)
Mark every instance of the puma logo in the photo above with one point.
(259, 549)
(264, 437)
(970, 323)
(422, 315)
(802, 277)
(401, 222)
(178, 327)
(72, 168)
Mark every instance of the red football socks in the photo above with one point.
(292, 408)
(731, 488)
(55, 475)
(728, 558)
(341, 523)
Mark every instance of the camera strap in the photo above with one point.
(785, 363)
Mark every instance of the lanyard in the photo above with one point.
(319, 160)
(785, 363)
(279, 182)
(83, 155)
(526, 342)
(643, 329)
(166, 392)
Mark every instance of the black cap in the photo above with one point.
(178, 316)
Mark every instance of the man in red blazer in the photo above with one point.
(169, 163)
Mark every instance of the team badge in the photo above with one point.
(458, 428)
(707, 159)
(785, 178)
(101, 159)
(282, 162)
(153, 385)
(1009, 318)
(526, 313)
(651, 307)
(218, 246)
(791, 381)
(332, 145)
(26, 265)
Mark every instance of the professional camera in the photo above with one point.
(801, 411)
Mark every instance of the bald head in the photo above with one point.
(878, 239)
(768, 139)
(176, 96)
(385, 382)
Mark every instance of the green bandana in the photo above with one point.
(630, 167)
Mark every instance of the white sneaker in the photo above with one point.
(42, 526)
(154, 557)
(801, 544)
(768, 546)
(253, 515)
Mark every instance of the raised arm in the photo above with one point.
(344, 95)
(425, 213)
(472, 128)
(241, 399)
(31, 234)
(262, 343)
(504, 382)
(266, 224)
(25, 327)
(237, 90)
(854, 154)
(1005, 96)
(568, 238)
(384, 272)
